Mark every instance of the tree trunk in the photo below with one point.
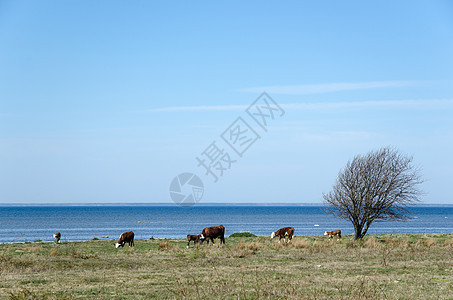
(357, 232)
(366, 228)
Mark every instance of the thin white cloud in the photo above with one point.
(329, 87)
(419, 103)
(329, 136)
(424, 103)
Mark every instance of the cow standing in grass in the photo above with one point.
(331, 234)
(127, 237)
(57, 237)
(212, 233)
(283, 233)
(193, 237)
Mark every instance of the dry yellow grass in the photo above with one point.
(380, 267)
(301, 243)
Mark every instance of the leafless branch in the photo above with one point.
(376, 186)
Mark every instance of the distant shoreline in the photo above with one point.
(227, 237)
(197, 205)
(160, 204)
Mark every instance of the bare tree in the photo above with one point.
(376, 186)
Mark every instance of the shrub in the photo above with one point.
(242, 234)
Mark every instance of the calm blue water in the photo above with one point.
(30, 223)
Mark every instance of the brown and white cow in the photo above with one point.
(282, 233)
(126, 237)
(193, 237)
(212, 233)
(331, 234)
(57, 237)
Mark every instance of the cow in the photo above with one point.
(212, 233)
(57, 237)
(331, 234)
(193, 237)
(126, 237)
(283, 233)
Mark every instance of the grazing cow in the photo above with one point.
(212, 233)
(331, 234)
(193, 237)
(283, 233)
(127, 237)
(57, 237)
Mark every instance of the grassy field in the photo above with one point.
(311, 267)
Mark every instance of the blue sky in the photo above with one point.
(108, 101)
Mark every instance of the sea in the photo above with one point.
(86, 222)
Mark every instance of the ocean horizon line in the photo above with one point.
(198, 204)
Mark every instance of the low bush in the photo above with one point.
(242, 234)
